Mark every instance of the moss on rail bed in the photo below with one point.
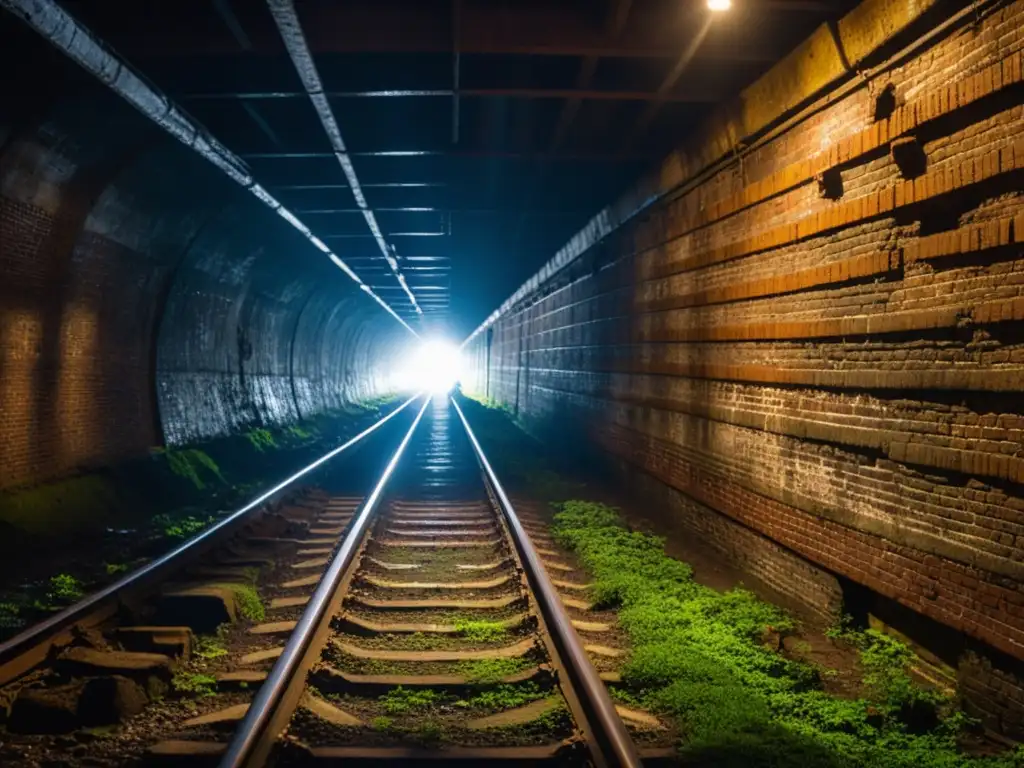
(699, 655)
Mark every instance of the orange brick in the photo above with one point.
(987, 82)
(887, 199)
(921, 191)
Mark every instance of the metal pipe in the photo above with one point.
(86, 49)
(294, 39)
(267, 702)
(158, 568)
(616, 745)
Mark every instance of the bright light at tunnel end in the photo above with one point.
(719, 5)
(435, 366)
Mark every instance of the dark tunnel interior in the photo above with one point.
(747, 271)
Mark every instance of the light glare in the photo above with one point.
(435, 366)
(719, 5)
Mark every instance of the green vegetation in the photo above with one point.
(261, 439)
(194, 683)
(375, 403)
(698, 655)
(10, 618)
(502, 697)
(115, 568)
(298, 433)
(192, 464)
(181, 527)
(250, 606)
(65, 588)
(212, 646)
(430, 731)
(402, 700)
(485, 671)
(382, 723)
(491, 404)
(61, 506)
(480, 631)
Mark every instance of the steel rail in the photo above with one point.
(255, 735)
(613, 747)
(108, 598)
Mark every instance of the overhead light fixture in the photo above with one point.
(719, 5)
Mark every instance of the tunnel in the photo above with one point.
(749, 271)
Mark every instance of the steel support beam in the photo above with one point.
(581, 93)
(294, 39)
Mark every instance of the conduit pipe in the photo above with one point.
(294, 39)
(64, 32)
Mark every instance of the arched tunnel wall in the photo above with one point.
(812, 357)
(144, 297)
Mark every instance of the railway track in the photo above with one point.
(421, 620)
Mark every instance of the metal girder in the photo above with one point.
(578, 94)
(381, 185)
(589, 157)
(294, 39)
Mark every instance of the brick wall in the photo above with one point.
(818, 344)
(144, 298)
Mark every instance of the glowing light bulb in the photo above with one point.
(719, 5)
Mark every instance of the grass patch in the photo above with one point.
(212, 646)
(480, 631)
(181, 528)
(60, 506)
(299, 433)
(194, 684)
(403, 700)
(65, 588)
(261, 439)
(697, 655)
(502, 697)
(250, 606)
(485, 671)
(193, 465)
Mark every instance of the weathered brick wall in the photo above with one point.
(143, 297)
(820, 343)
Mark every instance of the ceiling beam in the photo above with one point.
(589, 157)
(392, 26)
(294, 39)
(575, 95)
(379, 185)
